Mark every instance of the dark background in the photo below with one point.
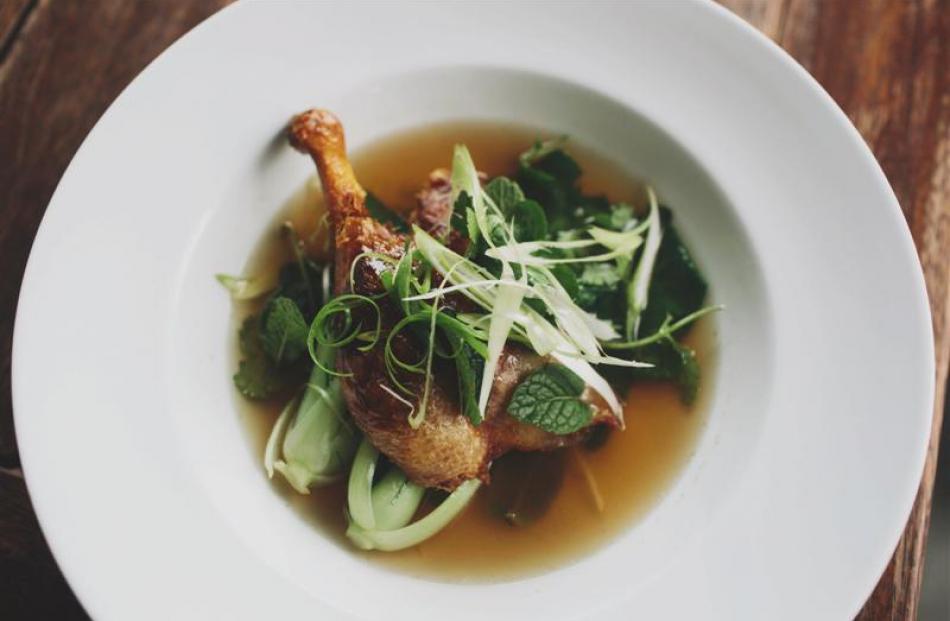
(886, 63)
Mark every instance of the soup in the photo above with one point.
(603, 488)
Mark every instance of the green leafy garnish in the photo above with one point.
(283, 330)
(258, 376)
(505, 193)
(603, 275)
(530, 223)
(469, 366)
(678, 288)
(549, 398)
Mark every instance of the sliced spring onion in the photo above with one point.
(507, 302)
(419, 531)
(666, 330)
(544, 338)
(639, 288)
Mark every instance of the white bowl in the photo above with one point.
(801, 484)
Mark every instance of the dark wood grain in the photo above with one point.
(62, 62)
(67, 61)
(887, 64)
(12, 15)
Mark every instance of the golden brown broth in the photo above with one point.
(633, 468)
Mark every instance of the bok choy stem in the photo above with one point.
(419, 531)
(316, 445)
(379, 514)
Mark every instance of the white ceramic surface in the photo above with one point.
(135, 459)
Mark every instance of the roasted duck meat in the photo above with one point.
(446, 449)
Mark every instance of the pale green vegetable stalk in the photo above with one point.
(359, 491)
(639, 288)
(315, 445)
(395, 500)
(379, 514)
(508, 296)
(503, 317)
(417, 532)
(244, 289)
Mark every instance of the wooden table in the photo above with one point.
(886, 63)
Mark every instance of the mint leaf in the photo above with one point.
(549, 398)
(283, 330)
(530, 223)
(505, 193)
(257, 376)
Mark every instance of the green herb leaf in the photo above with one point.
(621, 217)
(677, 288)
(549, 398)
(599, 275)
(283, 330)
(540, 149)
(505, 193)
(530, 223)
(599, 291)
(257, 376)
(470, 366)
(381, 213)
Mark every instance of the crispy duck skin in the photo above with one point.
(446, 449)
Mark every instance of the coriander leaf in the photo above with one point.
(381, 213)
(283, 330)
(600, 275)
(620, 217)
(549, 398)
(599, 291)
(505, 193)
(677, 288)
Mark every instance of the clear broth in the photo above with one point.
(632, 469)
